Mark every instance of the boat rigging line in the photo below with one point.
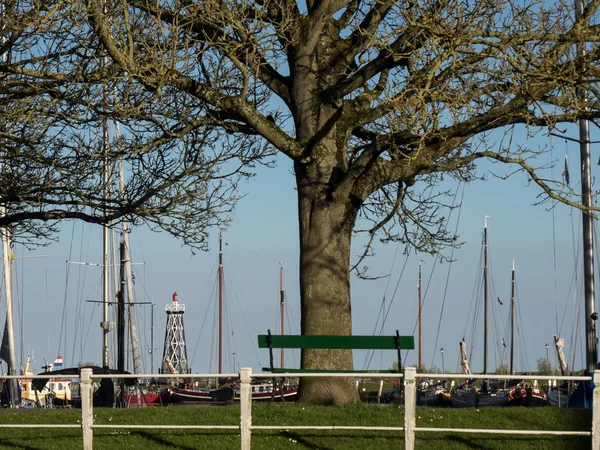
(384, 312)
(437, 334)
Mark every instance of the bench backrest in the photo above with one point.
(336, 342)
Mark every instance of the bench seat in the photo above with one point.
(355, 342)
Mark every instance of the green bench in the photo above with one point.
(396, 342)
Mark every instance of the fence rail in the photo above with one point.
(245, 427)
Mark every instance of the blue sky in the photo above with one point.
(265, 232)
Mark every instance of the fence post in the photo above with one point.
(87, 408)
(245, 406)
(596, 412)
(380, 391)
(410, 403)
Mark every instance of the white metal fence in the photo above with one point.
(246, 427)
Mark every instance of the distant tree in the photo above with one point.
(502, 369)
(544, 367)
(374, 103)
(395, 366)
(89, 363)
(434, 369)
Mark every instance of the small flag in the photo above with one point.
(500, 301)
(503, 343)
(566, 172)
(4, 349)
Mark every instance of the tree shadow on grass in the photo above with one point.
(11, 444)
(155, 440)
(368, 441)
(41, 442)
(483, 442)
(302, 440)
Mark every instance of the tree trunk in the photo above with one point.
(326, 225)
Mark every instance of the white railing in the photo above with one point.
(246, 427)
(410, 394)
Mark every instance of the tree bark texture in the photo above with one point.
(326, 225)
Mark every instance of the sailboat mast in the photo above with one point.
(152, 338)
(126, 262)
(282, 306)
(105, 252)
(485, 296)
(587, 219)
(10, 327)
(420, 317)
(220, 304)
(135, 346)
(121, 312)
(512, 321)
(106, 173)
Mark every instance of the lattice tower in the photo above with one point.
(175, 354)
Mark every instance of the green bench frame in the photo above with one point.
(396, 342)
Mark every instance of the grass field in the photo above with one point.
(295, 414)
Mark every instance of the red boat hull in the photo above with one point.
(146, 399)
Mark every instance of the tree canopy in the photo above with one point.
(372, 101)
(71, 121)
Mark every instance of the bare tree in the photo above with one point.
(68, 116)
(373, 101)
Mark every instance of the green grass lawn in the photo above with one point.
(296, 414)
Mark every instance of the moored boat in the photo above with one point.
(430, 393)
(140, 397)
(223, 395)
(485, 395)
(520, 394)
(559, 395)
(31, 397)
(471, 397)
(227, 390)
(527, 396)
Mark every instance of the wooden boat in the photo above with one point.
(46, 392)
(261, 392)
(228, 390)
(527, 396)
(223, 395)
(484, 396)
(521, 394)
(104, 395)
(31, 397)
(582, 397)
(144, 396)
(430, 393)
(559, 395)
